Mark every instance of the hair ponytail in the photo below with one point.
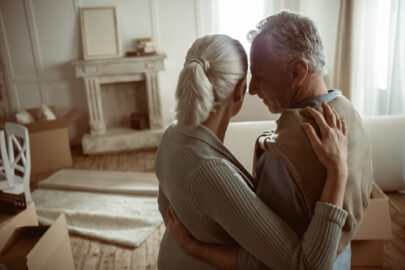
(214, 65)
(194, 94)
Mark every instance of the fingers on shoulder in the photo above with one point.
(319, 119)
(330, 114)
(311, 134)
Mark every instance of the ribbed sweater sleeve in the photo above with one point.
(221, 193)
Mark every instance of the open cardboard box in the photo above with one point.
(8, 223)
(49, 141)
(368, 243)
(38, 247)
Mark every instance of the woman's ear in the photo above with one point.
(240, 90)
(299, 71)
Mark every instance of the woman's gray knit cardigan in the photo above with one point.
(214, 197)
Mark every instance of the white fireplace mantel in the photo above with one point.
(117, 70)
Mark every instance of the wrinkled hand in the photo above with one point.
(331, 148)
(179, 231)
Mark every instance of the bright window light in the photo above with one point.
(382, 49)
(238, 17)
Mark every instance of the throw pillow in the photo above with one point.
(24, 117)
(44, 113)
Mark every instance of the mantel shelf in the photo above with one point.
(119, 66)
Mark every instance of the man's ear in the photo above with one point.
(240, 90)
(299, 71)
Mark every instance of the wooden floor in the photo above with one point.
(394, 256)
(93, 254)
(90, 254)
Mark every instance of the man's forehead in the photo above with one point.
(258, 45)
(257, 55)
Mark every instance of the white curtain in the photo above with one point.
(237, 17)
(378, 57)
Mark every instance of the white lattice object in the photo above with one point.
(16, 161)
(6, 181)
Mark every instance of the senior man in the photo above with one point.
(287, 66)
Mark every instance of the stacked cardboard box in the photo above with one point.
(368, 243)
(25, 245)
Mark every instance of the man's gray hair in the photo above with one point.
(290, 36)
(214, 65)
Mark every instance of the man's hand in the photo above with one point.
(183, 237)
(222, 257)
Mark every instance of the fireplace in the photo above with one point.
(119, 91)
(120, 100)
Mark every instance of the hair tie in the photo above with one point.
(202, 62)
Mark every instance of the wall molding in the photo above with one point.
(155, 23)
(8, 69)
(76, 5)
(36, 47)
(41, 79)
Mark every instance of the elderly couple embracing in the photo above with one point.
(312, 176)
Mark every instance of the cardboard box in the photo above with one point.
(368, 243)
(8, 223)
(367, 252)
(39, 247)
(49, 141)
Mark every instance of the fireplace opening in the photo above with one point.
(125, 105)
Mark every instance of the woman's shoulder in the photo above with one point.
(213, 169)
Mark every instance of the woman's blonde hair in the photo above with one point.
(214, 65)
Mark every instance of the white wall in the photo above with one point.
(40, 38)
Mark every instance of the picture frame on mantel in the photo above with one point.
(99, 32)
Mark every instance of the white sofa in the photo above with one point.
(387, 134)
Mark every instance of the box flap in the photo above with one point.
(48, 246)
(28, 217)
(62, 122)
(29, 210)
(71, 116)
(13, 262)
(61, 257)
(376, 223)
(23, 240)
(44, 125)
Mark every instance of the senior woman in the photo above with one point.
(213, 194)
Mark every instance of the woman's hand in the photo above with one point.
(331, 148)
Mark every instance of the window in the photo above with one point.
(237, 17)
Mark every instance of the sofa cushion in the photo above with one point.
(240, 138)
(387, 136)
